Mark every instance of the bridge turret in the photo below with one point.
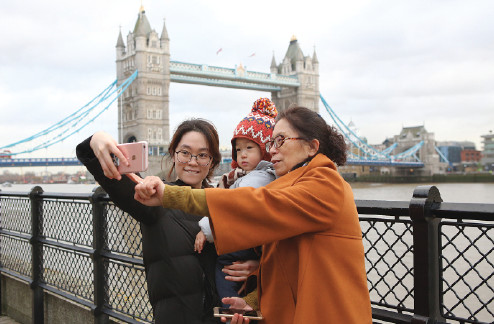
(120, 49)
(165, 40)
(315, 61)
(120, 45)
(299, 61)
(141, 30)
(306, 69)
(274, 67)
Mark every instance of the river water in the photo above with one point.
(450, 192)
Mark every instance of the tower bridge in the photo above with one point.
(144, 73)
(144, 106)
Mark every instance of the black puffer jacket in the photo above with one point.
(180, 282)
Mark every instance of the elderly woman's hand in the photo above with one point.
(240, 270)
(148, 191)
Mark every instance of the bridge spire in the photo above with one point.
(120, 42)
(142, 26)
(164, 32)
(314, 56)
(274, 67)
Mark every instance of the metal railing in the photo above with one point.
(79, 246)
(427, 261)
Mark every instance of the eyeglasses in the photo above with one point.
(279, 140)
(203, 159)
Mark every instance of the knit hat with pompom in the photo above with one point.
(257, 126)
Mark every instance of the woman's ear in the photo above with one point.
(313, 147)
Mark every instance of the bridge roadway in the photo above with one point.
(32, 162)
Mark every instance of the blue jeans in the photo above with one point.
(227, 288)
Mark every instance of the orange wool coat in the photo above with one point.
(312, 267)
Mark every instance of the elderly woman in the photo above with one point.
(312, 267)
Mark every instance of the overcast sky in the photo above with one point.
(383, 64)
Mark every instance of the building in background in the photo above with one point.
(451, 151)
(487, 159)
(411, 136)
(462, 155)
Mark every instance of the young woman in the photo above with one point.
(180, 282)
(312, 266)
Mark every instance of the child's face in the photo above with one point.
(248, 154)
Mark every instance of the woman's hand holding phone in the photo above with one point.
(103, 146)
(236, 303)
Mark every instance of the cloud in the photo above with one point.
(383, 64)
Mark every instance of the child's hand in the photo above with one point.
(200, 240)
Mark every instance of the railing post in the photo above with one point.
(36, 254)
(426, 257)
(99, 226)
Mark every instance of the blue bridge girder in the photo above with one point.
(28, 162)
(389, 163)
(202, 74)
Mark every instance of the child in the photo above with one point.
(251, 168)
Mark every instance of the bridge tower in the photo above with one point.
(143, 108)
(306, 68)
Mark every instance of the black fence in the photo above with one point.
(427, 261)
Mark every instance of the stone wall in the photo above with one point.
(16, 298)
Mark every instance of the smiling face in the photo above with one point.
(292, 152)
(191, 172)
(248, 154)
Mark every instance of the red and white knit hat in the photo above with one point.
(257, 126)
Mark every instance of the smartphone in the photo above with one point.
(229, 312)
(137, 155)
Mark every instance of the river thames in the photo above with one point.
(450, 192)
